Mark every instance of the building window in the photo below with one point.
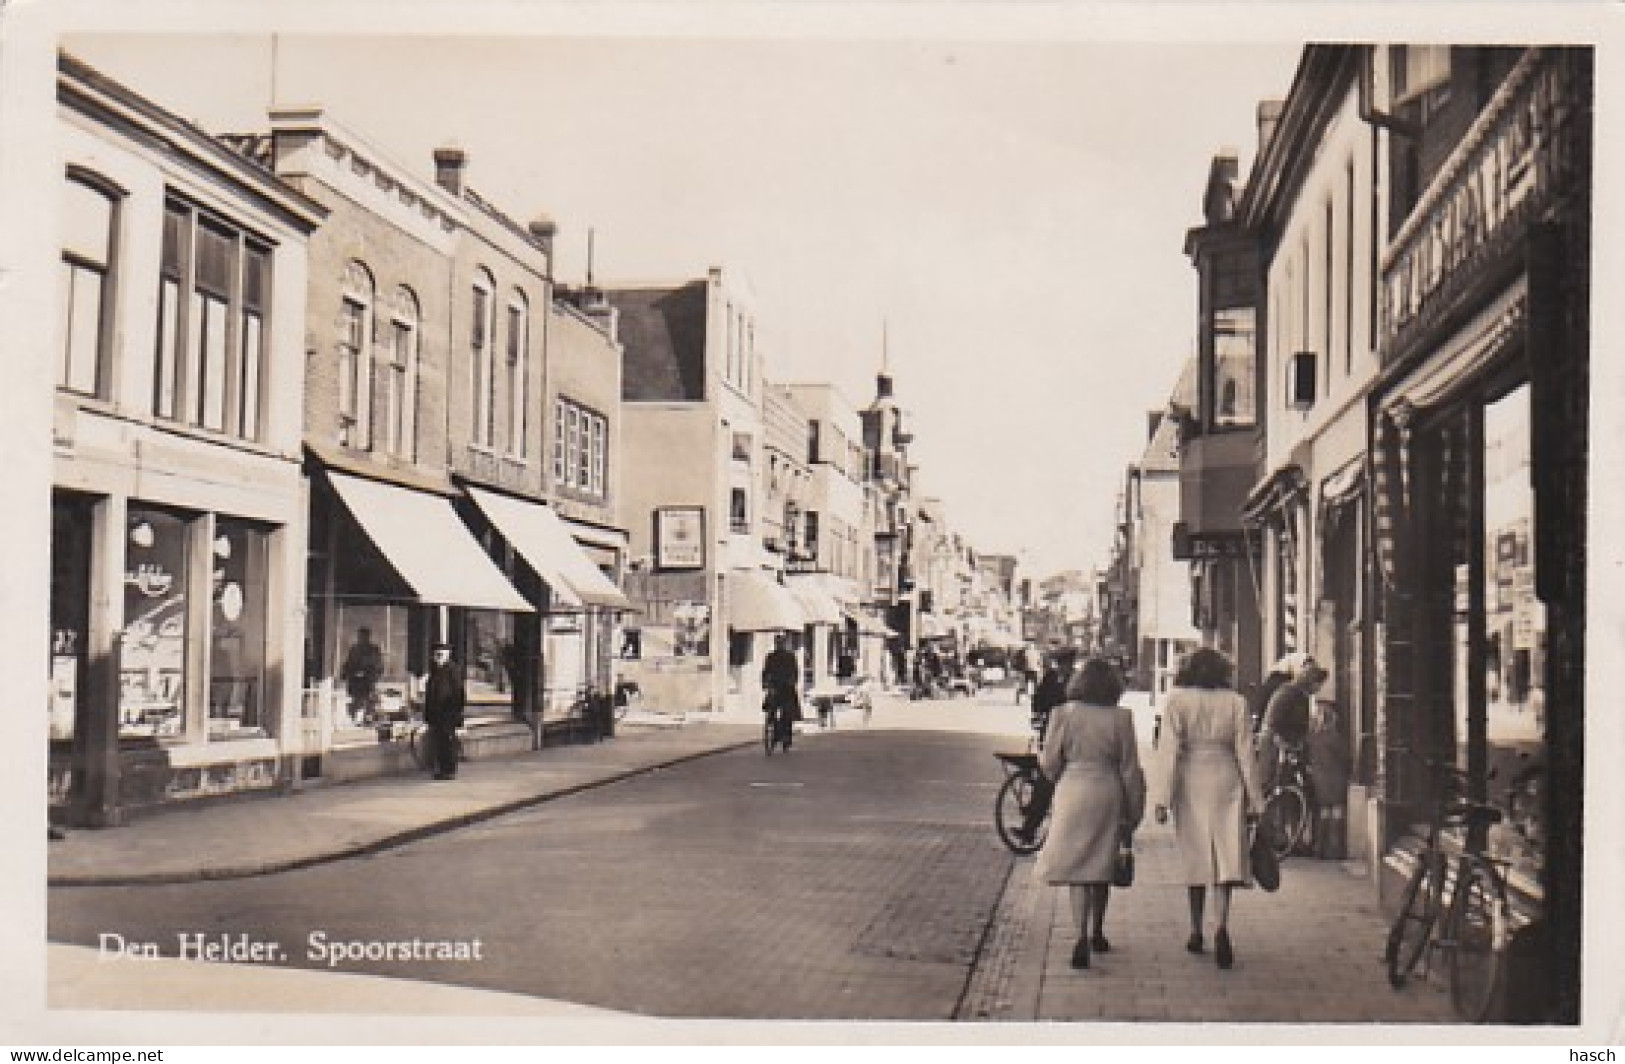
(1234, 354)
(738, 512)
(211, 357)
(518, 371)
(580, 448)
(89, 213)
(400, 386)
(355, 347)
(810, 541)
(812, 442)
(483, 372)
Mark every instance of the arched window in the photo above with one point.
(399, 388)
(518, 363)
(355, 356)
(89, 210)
(482, 372)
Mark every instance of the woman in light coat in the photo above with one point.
(1091, 753)
(1206, 775)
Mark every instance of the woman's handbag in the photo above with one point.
(1266, 868)
(1123, 871)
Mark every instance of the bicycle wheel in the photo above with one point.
(1477, 935)
(1411, 929)
(1285, 819)
(769, 734)
(1010, 812)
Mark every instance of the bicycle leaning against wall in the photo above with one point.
(1456, 903)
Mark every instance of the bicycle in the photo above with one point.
(1456, 903)
(777, 724)
(1287, 809)
(1014, 801)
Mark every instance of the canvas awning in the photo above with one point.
(537, 533)
(760, 603)
(868, 625)
(817, 604)
(424, 540)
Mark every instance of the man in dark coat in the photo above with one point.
(443, 702)
(1051, 692)
(781, 681)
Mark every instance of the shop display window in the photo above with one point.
(152, 660)
(70, 611)
(488, 655)
(237, 630)
(373, 664)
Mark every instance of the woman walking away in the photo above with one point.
(1206, 775)
(1091, 753)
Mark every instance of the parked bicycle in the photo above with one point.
(1456, 903)
(1288, 808)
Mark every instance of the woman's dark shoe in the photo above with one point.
(1080, 954)
(1221, 949)
(1194, 943)
(1098, 943)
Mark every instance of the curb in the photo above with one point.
(387, 842)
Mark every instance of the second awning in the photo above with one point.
(538, 534)
(760, 603)
(428, 545)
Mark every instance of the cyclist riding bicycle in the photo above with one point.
(1285, 726)
(781, 679)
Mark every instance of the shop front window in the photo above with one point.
(152, 663)
(237, 618)
(70, 610)
(489, 656)
(372, 655)
(1514, 633)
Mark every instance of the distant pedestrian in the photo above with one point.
(444, 700)
(1330, 764)
(1207, 778)
(1093, 757)
(363, 665)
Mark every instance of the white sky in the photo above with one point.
(1012, 212)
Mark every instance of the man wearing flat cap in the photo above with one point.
(443, 701)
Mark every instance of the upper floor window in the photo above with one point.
(580, 448)
(355, 356)
(738, 512)
(399, 392)
(213, 296)
(518, 362)
(483, 372)
(89, 212)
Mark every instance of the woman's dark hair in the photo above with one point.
(1097, 683)
(1205, 668)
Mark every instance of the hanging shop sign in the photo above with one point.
(680, 537)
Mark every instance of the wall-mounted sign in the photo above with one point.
(680, 537)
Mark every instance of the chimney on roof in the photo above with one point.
(449, 164)
(1269, 116)
(542, 231)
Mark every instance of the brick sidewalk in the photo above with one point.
(1309, 953)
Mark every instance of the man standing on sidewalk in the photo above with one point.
(443, 701)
